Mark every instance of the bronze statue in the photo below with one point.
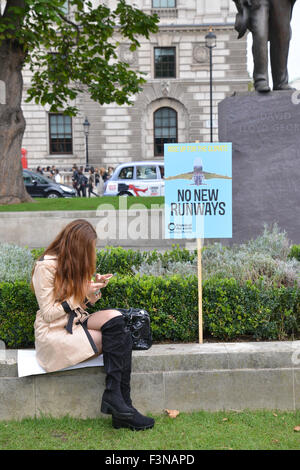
(268, 20)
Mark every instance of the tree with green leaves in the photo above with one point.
(67, 53)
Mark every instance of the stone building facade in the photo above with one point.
(174, 103)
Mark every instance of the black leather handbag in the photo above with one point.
(138, 322)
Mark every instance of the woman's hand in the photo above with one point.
(93, 298)
(103, 278)
(93, 292)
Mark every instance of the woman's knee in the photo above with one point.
(97, 319)
(107, 314)
(111, 312)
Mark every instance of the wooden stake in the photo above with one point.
(200, 316)
(199, 252)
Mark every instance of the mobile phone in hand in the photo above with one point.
(105, 277)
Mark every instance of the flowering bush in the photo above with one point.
(267, 259)
(15, 263)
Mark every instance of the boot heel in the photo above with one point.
(137, 423)
(110, 410)
(121, 423)
(116, 425)
(105, 408)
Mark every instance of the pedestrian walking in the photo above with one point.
(82, 183)
(75, 178)
(97, 178)
(91, 183)
(57, 176)
(53, 172)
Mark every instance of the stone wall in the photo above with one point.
(186, 377)
(134, 228)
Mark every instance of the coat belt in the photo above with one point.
(72, 316)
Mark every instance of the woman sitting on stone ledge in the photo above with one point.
(66, 334)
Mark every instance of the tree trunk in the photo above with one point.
(12, 124)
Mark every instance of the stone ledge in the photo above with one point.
(120, 230)
(188, 377)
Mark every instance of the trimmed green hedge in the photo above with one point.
(230, 309)
(295, 252)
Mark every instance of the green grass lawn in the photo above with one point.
(83, 204)
(261, 430)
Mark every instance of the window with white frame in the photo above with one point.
(165, 62)
(163, 3)
(60, 134)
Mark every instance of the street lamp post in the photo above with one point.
(211, 42)
(86, 129)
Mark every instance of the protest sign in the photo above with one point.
(198, 196)
(198, 190)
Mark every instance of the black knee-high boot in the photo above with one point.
(113, 349)
(138, 421)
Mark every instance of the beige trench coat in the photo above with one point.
(55, 347)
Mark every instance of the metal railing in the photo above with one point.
(165, 12)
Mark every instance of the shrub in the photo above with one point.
(272, 242)
(118, 260)
(250, 289)
(160, 268)
(244, 264)
(18, 307)
(233, 309)
(230, 309)
(295, 252)
(267, 258)
(176, 255)
(241, 263)
(37, 252)
(15, 263)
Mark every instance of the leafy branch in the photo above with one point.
(68, 55)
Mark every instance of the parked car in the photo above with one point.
(40, 186)
(145, 178)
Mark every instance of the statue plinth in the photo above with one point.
(265, 132)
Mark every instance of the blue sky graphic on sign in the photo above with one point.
(198, 190)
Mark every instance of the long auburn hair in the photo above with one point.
(75, 250)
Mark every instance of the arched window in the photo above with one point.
(165, 129)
